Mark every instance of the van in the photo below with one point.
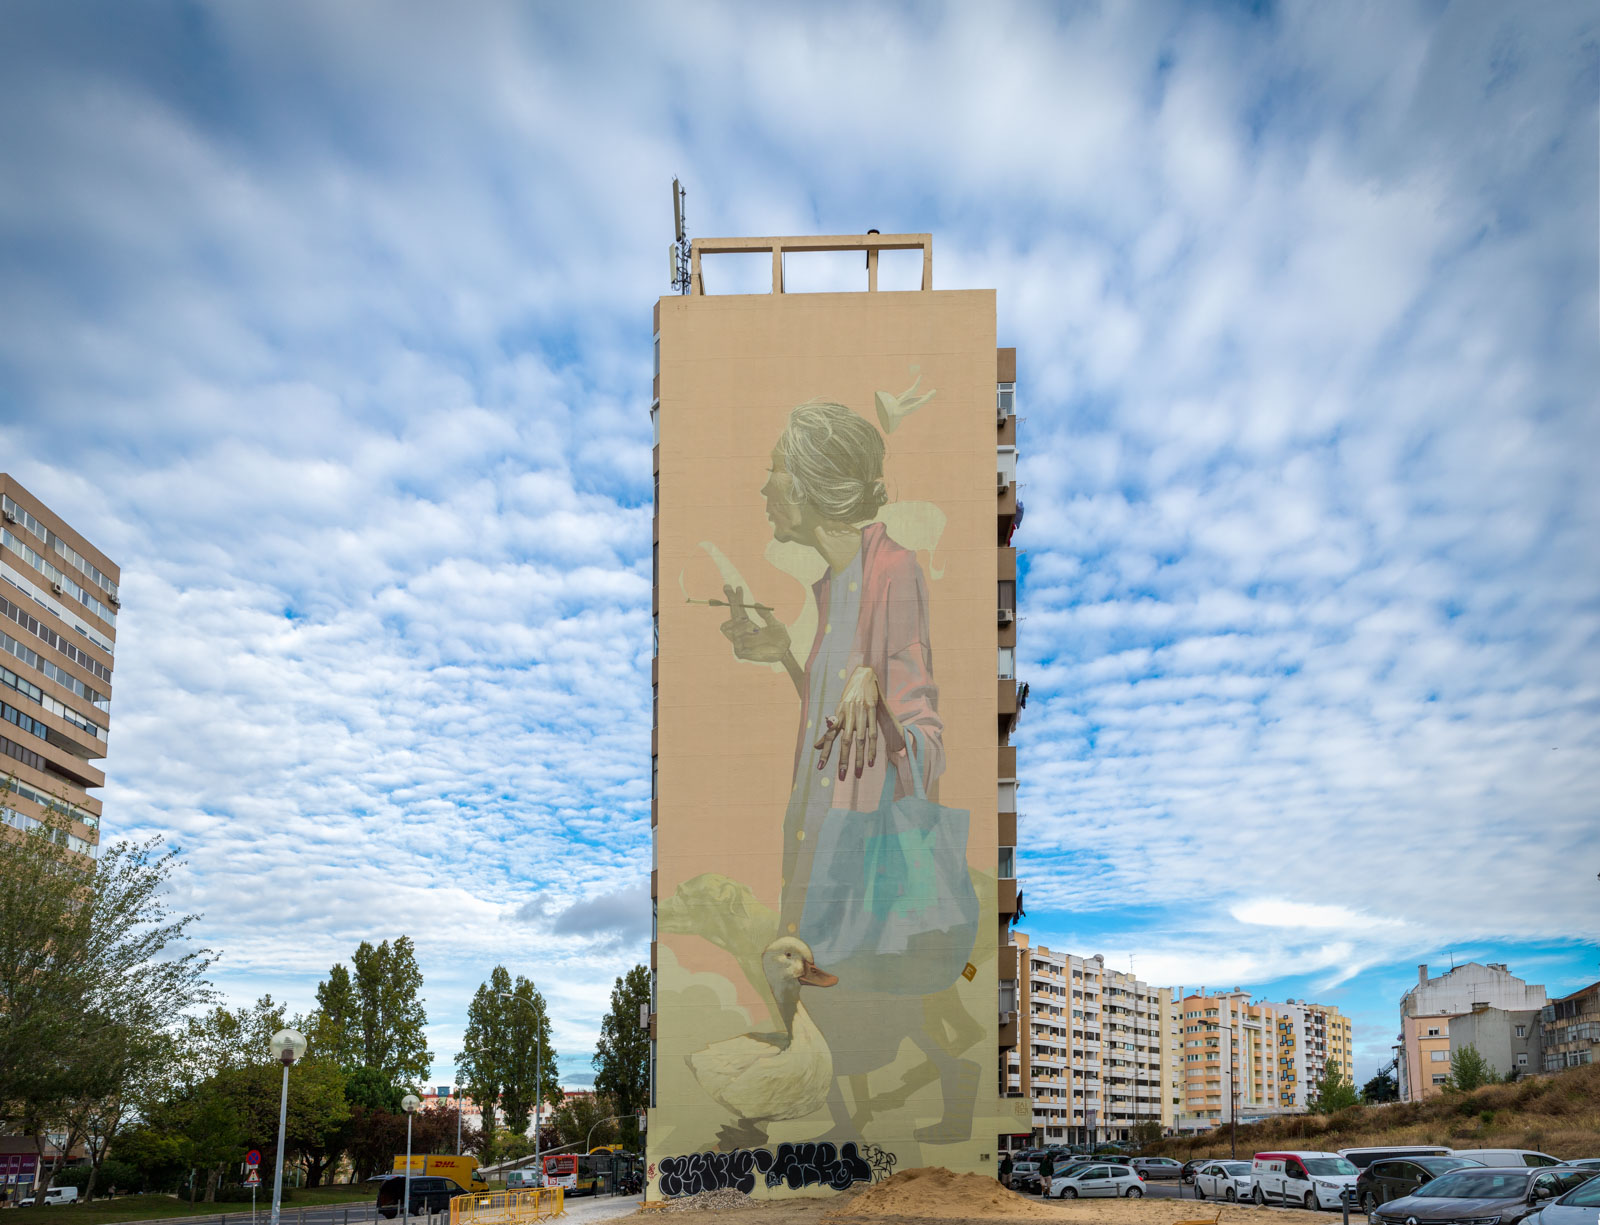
(1507, 1156)
(1304, 1179)
(54, 1196)
(428, 1194)
(1361, 1158)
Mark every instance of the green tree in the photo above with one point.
(335, 1027)
(1334, 1092)
(1381, 1088)
(388, 1010)
(88, 951)
(583, 1115)
(225, 1038)
(507, 1039)
(1469, 1070)
(622, 1055)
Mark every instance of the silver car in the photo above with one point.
(1098, 1178)
(1577, 1207)
(1229, 1180)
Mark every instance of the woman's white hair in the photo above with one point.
(835, 461)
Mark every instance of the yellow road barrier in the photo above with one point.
(508, 1207)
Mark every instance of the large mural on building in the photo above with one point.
(845, 1010)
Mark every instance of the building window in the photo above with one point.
(1008, 862)
(1439, 1080)
(1439, 1056)
(1005, 399)
(1434, 1032)
(1008, 594)
(1006, 465)
(1522, 1031)
(1008, 663)
(1008, 796)
(1522, 1059)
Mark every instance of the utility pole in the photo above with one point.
(1233, 1087)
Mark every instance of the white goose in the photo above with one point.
(765, 1077)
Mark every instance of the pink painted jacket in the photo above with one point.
(892, 639)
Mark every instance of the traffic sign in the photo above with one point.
(253, 1157)
(253, 1177)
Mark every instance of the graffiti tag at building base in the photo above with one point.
(811, 1164)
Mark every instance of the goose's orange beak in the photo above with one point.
(814, 977)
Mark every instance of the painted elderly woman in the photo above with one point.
(874, 871)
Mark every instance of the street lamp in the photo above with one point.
(287, 1046)
(409, 1104)
(538, 1082)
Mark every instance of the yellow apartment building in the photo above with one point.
(833, 784)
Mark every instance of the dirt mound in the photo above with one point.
(932, 1191)
(704, 1201)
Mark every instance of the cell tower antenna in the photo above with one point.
(679, 248)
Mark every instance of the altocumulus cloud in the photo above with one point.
(331, 324)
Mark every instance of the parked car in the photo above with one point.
(1097, 1178)
(1229, 1180)
(428, 1194)
(1189, 1167)
(1025, 1176)
(1394, 1178)
(1584, 1163)
(1503, 1194)
(52, 1197)
(1156, 1167)
(1361, 1158)
(1508, 1156)
(1307, 1179)
(1580, 1206)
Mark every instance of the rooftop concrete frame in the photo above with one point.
(869, 243)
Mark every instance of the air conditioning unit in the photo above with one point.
(58, 589)
(1001, 482)
(115, 603)
(11, 516)
(1007, 616)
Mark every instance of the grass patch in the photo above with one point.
(1557, 1114)
(169, 1207)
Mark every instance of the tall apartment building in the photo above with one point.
(1569, 1029)
(833, 790)
(1239, 1058)
(1091, 1064)
(58, 630)
(1422, 1049)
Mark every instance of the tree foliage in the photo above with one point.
(583, 1116)
(1381, 1088)
(335, 1029)
(388, 1010)
(1469, 1070)
(1334, 1092)
(93, 967)
(507, 1042)
(622, 1055)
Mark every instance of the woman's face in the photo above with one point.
(786, 515)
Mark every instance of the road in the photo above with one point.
(581, 1210)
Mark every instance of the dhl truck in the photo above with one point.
(463, 1171)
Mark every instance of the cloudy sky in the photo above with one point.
(331, 324)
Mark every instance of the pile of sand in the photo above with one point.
(932, 1191)
(702, 1201)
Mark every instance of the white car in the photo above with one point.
(1229, 1180)
(55, 1195)
(1507, 1156)
(1098, 1178)
(1303, 1179)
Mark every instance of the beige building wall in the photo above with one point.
(59, 602)
(1422, 1050)
(828, 1000)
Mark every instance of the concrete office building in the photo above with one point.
(1508, 1041)
(833, 798)
(1422, 1050)
(58, 631)
(1090, 1064)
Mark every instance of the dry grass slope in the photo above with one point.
(1559, 1115)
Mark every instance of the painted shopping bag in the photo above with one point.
(890, 904)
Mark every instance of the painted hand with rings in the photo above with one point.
(766, 643)
(854, 724)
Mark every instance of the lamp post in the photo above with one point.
(287, 1046)
(538, 1081)
(409, 1104)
